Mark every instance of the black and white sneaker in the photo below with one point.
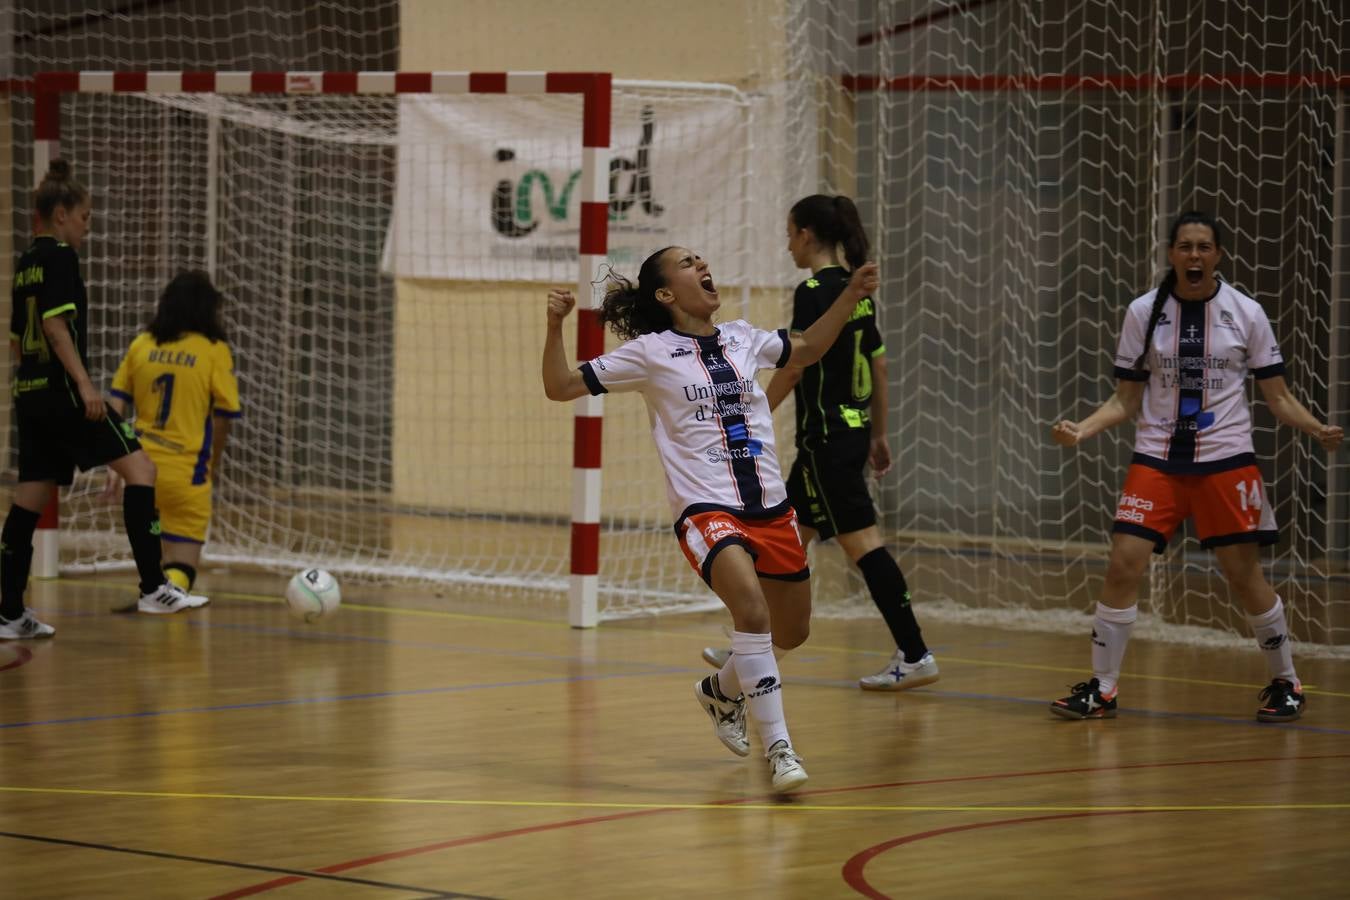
(1282, 701)
(167, 599)
(728, 716)
(25, 628)
(1086, 702)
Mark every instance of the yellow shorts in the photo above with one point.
(184, 507)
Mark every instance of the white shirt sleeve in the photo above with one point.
(771, 349)
(1264, 359)
(622, 369)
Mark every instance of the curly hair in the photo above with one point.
(190, 303)
(630, 308)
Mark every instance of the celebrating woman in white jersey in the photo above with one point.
(1184, 354)
(714, 433)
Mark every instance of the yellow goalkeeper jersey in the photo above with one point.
(178, 388)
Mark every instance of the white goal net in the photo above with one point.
(385, 260)
(1019, 162)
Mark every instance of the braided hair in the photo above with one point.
(1194, 217)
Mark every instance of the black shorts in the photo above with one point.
(827, 487)
(51, 445)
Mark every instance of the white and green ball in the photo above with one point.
(313, 594)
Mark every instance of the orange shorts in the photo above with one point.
(1227, 507)
(775, 544)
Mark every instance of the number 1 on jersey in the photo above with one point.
(163, 385)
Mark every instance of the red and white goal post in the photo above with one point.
(595, 91)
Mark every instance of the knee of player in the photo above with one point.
(751, 618)
(1126, 567)
(140, 469)
(793, 636)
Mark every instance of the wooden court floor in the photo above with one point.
(399, 751)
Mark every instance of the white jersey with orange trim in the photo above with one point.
(1195, 417)
(709, 416)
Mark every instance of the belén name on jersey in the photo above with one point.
(171, 357)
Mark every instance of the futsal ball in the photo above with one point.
(313, 594)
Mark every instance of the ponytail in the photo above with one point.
(631, 309)
(58, 188)
(1159, 301)
(835, 223)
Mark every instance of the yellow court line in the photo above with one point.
(467, 617)
(391, 610)
(799, 806)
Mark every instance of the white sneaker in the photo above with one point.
(716, 656)
(25, 628)
(169, 598)
(728, 717)
(900, 675)
(785, 767)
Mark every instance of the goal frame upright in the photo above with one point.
(596, 91)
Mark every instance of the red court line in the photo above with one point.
(21, 656)
(571, 823)
(853, 869)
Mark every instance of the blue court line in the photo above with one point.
(814, 682)
(1123, 711)
(655, 670)
(263, 704)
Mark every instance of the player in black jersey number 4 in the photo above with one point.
(841, 427)
(1181, 367)
(62, 418)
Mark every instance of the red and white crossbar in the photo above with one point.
(596, 92)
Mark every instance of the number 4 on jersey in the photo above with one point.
(1249, 495)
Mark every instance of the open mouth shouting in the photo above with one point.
(706, 282)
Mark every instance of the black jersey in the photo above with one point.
(834, 394)
(47, 283)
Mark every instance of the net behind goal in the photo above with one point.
(1019, 163)
(385, 259)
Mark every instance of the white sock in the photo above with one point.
(1110, 633)
(752, 655)
(1272, 636)
(728, 682)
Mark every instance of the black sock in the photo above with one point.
(16, 558)
(189, 574)
(891, 595)
(142, 521)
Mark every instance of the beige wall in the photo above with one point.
(693, 40)
(468, 399)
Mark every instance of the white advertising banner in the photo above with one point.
(488, 185)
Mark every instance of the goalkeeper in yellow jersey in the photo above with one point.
(179, 375)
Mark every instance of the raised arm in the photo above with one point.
(1291, 412)
(561, 381)
(809, 346)
(1121, 406)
